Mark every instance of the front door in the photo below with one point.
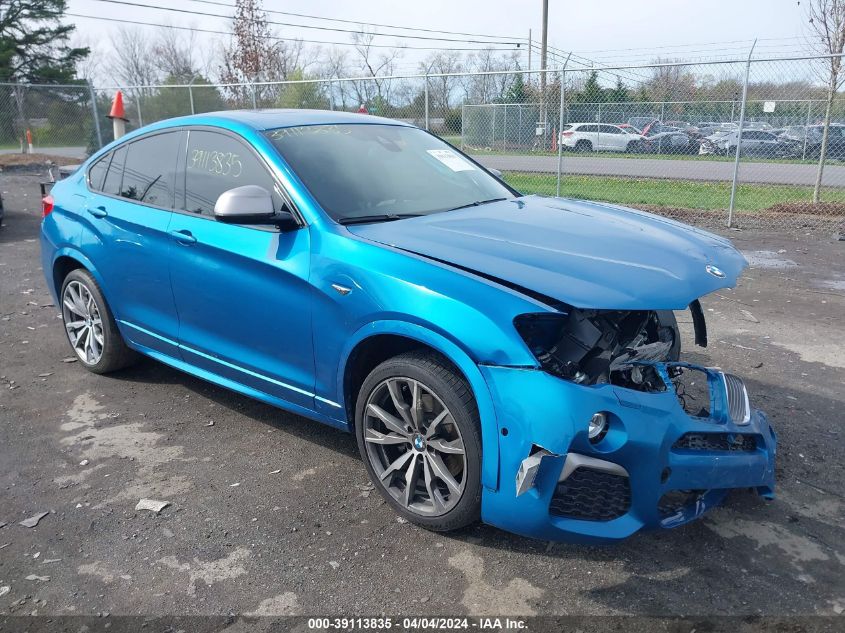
(242, 292)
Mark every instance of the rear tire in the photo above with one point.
(583, 146)
(90, 326)
(434, 447)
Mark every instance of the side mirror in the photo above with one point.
(495, 172)
(249, 204)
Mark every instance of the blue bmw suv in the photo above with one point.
(499, 356)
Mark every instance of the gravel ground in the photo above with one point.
(271, 513)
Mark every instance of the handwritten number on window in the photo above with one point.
(217, 163)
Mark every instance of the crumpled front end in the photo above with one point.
(655, 466)
(610, 435)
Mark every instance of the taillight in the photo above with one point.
(566, 133)
(46, 206)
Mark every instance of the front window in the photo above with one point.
(360, 171)
(216, 163)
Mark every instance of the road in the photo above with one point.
(692, 169)
(69, 152)
(604, 165)
(271, 513)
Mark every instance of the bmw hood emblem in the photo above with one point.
(715, 271)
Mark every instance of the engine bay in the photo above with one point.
(606, 346)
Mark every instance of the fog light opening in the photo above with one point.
(597, 428)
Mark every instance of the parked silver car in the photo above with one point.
(754, 143)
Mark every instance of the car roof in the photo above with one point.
(255, 120)
(269, 119)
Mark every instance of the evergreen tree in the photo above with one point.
(517, 93)
(619, 93)
(34, 49)
(34, 44)
(593, 92)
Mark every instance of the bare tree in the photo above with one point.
(670, 83)
(90, 68)
(132, 59)
(485, 88)
(174, 54)
(442, 85)
(375, 66)
(334, 66)
(827, 23)
(289, 57)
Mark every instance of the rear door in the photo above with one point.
(613, 138)
(127, 218)
(241, 292)
(590, 133)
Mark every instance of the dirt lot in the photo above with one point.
(311, 538)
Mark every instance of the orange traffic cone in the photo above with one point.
(118, 115)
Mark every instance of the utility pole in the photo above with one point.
(543, 51)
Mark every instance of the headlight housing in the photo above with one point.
(588, 346)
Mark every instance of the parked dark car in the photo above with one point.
(666, 139)
(835, 142)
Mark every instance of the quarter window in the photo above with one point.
(217, 163)
(98, 172)
(150, 169)
(115, 174)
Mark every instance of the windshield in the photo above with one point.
(383, 171)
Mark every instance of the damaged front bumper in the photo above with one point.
(655, 466)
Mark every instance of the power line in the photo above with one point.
(359, 22)
(304, 26)
(276, 38)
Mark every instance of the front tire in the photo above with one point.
(418, 432)
(90, 326)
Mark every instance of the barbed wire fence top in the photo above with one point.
(737, 143)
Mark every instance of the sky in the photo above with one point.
(602, 31)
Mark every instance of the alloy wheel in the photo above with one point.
(414, 446)
(83, 322)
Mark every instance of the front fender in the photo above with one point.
(452, 351)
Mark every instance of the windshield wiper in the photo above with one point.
(477, 203)
(381, 217)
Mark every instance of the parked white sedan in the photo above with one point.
(591, 137)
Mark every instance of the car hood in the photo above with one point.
(585, 254)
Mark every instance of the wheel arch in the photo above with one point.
(379, 341)
(66, 260)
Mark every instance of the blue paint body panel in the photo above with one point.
(586, 254)
(254, 310)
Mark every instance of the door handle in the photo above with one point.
(98, 212)
(183, 237)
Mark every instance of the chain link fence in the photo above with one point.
(730, 143)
